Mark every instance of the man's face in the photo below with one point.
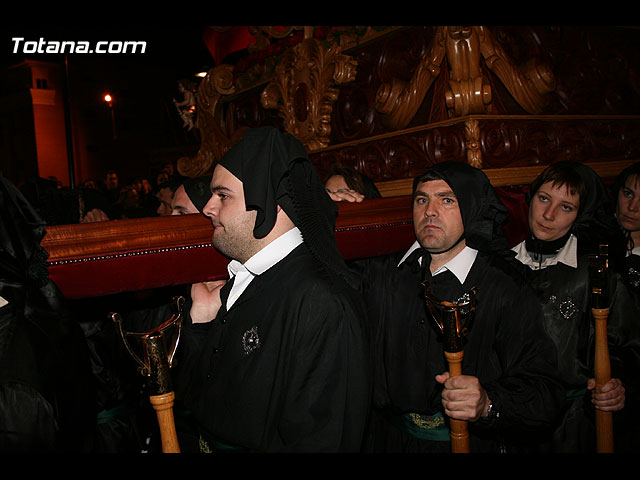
(111, 181)
(181, 204)
(552, 211)
(165, 196)
(233, 224)
(437, 220)
(628, 207)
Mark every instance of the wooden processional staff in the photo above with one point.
(155, 365)
(453, 320)
(598, 267)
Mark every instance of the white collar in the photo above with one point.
(458, 265)
(269, 255)
(568, 255)
(635, 251)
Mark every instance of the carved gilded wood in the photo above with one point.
(472, 137)
(468, 90)
(214, 139)
(305, 88)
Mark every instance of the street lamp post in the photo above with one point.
(109, 99)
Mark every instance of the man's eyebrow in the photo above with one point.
(220, 188)
(442, 193)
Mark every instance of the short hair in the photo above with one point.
(561, 174)
(621, 179)
(425, 177)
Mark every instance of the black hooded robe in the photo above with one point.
(47, 397)
(506, 349)
(285, 369)
(565, 295)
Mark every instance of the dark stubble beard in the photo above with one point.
(236, 240)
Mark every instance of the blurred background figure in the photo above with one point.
(191, 196)
(346, 183)
(164, 194)
(626, 192)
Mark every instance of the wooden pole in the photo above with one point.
(602, 369)
(163, 405)
(458, 428)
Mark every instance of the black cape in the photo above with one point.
(47, 401)
(507, 349)
(565, 295)
(286, 369)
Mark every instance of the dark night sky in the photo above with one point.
(143, 84)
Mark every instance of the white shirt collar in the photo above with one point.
(261, 262)
(567, 255)
(269, 255)
(458, 265)
(635, 251)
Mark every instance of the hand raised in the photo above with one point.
(205, 300)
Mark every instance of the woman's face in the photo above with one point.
(628, 206)
(552, 211)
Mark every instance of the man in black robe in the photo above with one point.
(277, 361)
(508, 389)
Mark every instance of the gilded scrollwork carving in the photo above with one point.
(303, 90)
(214, 139)
(472, 138)
(468, 90)
(528, 84)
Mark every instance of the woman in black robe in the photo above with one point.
(569, 217)
(626, 193)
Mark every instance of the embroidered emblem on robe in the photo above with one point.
(250, 340)
(427, 421)
(567, 307)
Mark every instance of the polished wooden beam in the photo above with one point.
(128, 255)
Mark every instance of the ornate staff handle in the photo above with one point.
(155, 365)
(602, 359)
(447, 317)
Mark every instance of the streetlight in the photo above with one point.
(109, 99)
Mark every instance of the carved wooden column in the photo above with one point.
(469, 91)
(304, 90)
(472, 138)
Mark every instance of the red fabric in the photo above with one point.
(513, 198)
(138, 272)
(221, 44)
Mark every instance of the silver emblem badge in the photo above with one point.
(566, 307)
(250, 340)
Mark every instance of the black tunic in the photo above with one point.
(506, 348)
(286, 369)
(565, 295)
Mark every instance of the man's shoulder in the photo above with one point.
(495, 268)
